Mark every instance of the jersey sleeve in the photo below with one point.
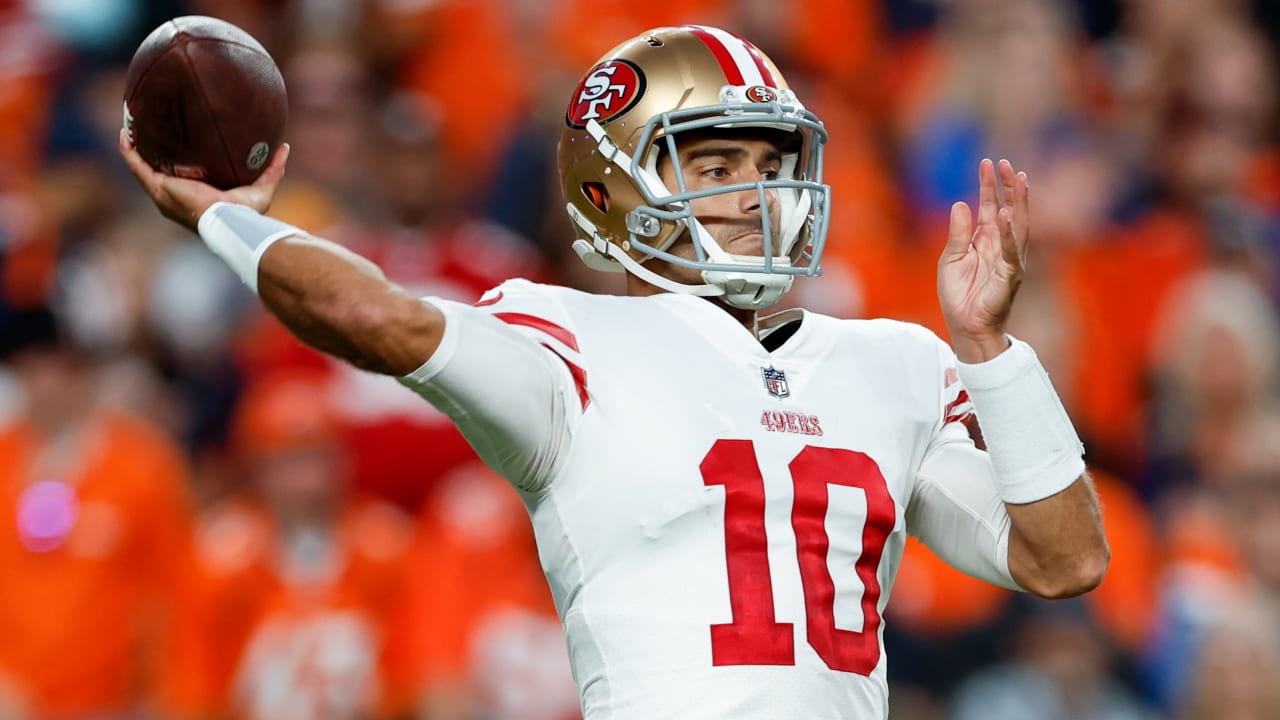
(956, 509)
(509, 375)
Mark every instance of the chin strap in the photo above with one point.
(613, 259)
(747, 291)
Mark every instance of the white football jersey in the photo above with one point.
(720, 524)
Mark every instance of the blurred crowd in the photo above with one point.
(201, 518)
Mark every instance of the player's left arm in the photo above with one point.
(1056, 544)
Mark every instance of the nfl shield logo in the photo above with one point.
(775, 381)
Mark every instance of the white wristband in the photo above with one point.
(240, 235)
(1032, 442)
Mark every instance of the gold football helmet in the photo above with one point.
(629, 110)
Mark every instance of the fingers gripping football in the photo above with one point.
(184, 201)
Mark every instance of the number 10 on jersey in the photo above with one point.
(755, 637)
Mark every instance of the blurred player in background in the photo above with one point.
(695, 472)
(95, 518)
(293, 606)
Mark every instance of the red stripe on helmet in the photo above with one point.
(758, 58)
(732, 74)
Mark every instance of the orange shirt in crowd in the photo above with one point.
(506, 61)
(87, 563)
(252, 643)
(932, 598)
(483, 618)
(28, 57)
(1117, 287)
(465, 54)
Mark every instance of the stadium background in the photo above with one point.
(200, 518)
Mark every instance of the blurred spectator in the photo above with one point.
(491, 644)
(420, 46)
(1224, 545)
(944, 624)
(1148, 128)
(1216, 362)
(1060, 670)
(329, 98)
(401, 445)
(951, 107)
(28, 58)
(1215, 138)
(1193, 153)
(1236, 669)
(1026, 110)
(294, 605)
(96, 522)
(1181, 68)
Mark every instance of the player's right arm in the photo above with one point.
(329, 297)
(511, 394)
(342, 304)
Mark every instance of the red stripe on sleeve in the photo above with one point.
(491, 301)
(961, 399)
(949, 412)
(541, 325)
(731, 73)
(579, 377)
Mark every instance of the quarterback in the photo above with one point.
(720, 496)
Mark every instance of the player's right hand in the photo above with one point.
(184, 201)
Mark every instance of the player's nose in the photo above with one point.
(749, 201)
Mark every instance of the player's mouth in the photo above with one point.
(748, 243)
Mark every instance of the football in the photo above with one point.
(204, 100)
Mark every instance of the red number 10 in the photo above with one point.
(755, 637)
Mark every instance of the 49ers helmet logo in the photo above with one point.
(609, 90)
(761, 94)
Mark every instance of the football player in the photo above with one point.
(720, 497)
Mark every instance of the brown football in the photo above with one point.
(204, 100)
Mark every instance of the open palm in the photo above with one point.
(982, 265)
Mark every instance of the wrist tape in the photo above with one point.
(1032, 442)
(240, 235)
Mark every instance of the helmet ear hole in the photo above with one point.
(597, 195)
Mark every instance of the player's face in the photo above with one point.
(734, 220)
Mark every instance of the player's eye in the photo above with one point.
(716, 173)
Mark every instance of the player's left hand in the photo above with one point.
(981, 267)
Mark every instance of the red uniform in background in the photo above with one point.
(402, 447)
